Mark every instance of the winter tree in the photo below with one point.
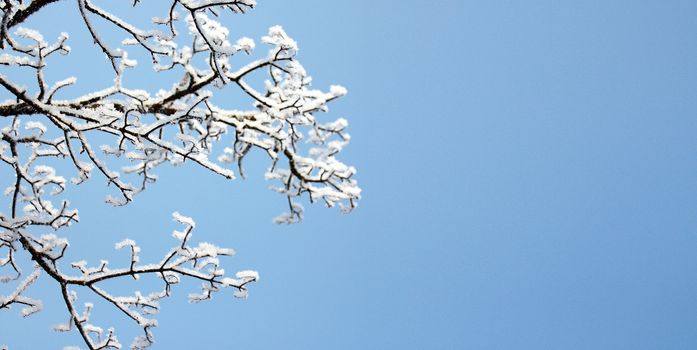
(55, 136)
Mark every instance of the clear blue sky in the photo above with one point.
(530, 182)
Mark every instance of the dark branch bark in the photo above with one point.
(34, 7)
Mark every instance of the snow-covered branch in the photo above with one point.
(42, 123)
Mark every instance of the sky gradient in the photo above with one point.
(529, 175)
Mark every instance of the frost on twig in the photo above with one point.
(29, 305)
(200, 262)
(96, 133)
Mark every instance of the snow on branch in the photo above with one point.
(199, 262)
(122, 133)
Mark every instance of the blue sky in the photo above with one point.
(529, 175)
